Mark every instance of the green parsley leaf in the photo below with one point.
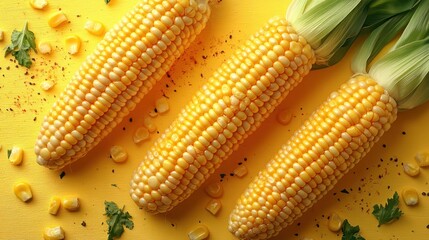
(350, 232)
(21, 44)
(389, 212)
(107, 1)
(9, 152)
(117, 219)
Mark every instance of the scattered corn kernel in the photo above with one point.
(141, 134)
(199, 232)
(38, 4)
(73, 43)
(411, 169)
(284, 116)
(213, 206)
(422, 159)
(240, 171)
(118, 154)
(47, 85)
(94, 27)
(54, 205)
(335, 222)
(71, 203)
(23, 191)
(54, 233)
(44, 48)
(16, 155)
(214, 190)
(1, 35)
(162, 105)
(148, 123)
(410, 196)
(56, 19)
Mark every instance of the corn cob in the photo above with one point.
(132, 56)
(327, 146)
(233, 103)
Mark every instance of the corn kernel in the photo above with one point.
(71, 203)
(1, 35)
(94, 27)
(240, 171)
(335, 222)
(148, 123)
(16, 155)
(214, 190)
(140, 135)
(284, 117)
(54, 205)
(411, 169)
(199, 232)
(47, 85)
(410, 196)
(38, 4)
(118, 154)
(45, 48)
(23, 191)
(422, 159)
(73, 43)
(162, 105)
(56, 19)
(54, 233)
(213, 206)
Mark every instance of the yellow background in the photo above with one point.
(371, 182)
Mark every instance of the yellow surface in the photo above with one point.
(23, 105)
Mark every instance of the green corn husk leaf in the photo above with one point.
(377, 40)
(382, 10)
(329, 26)
(403, 72)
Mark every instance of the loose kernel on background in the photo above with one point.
(214, 206)
(23, 191)
(284, 116)
(411, 169)
(240, 171)
(335, 222)
(38, 4)
(140, 135)
(73, 43)
(422, 159)
(71, 203)
(46, 85)
(54, 205)
(199, 232)
(410, 196)
(118, 154)
(94, 27)
(162, 105)
(148, 123)
(214, 190)
(44, 48)
(56, 19)
(16, 156)
(54, 233)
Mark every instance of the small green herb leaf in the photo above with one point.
(21, 44)
(389, 212)
(350, 232)
(117, 219)
(9, 152)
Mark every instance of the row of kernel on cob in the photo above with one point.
(340, 132)
(239, 97)
(126, 63)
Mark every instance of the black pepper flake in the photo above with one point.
(231, 174)
(173, 225)
(222, 175)
(62, 174)
(123, 128)
(345, 191)
(404, 133)
(240, 163)
(83, 224)
(384, 145)
(130, 120)
(113, 170)
(427, 226)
